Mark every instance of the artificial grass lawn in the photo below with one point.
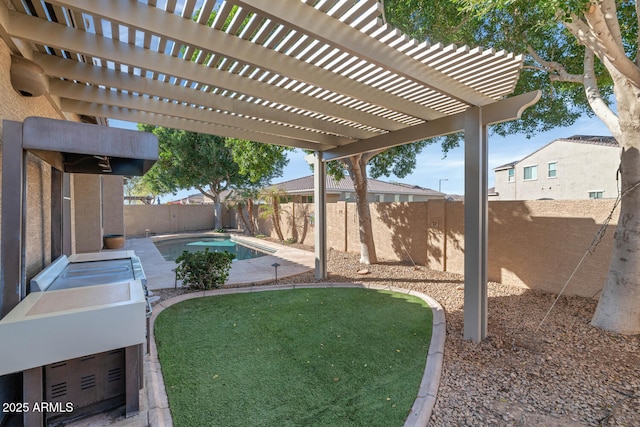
(325, 357)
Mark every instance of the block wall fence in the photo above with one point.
(536, 244)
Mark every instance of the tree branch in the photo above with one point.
(561, 74)
(533, 67)
(594, 97)
(596, 35)
(610, 16)
(583, 34)
(370, 155)
(204, 192)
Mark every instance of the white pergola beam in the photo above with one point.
(137, 116)
(500, 111)
(195, 35)
(55, 35)
(101, 76)
(91, 94)
(306, 19)
(326, 76)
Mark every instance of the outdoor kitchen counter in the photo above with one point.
(48, 327)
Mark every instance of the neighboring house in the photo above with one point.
(301, 190)
(198, 199)
(578, 167)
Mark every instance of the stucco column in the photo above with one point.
(320, 208)
(13, 200)
(475, 226)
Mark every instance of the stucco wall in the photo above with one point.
(17, 108)
(580, 169)
(160, 219)
(38, 240)
(112, 202)
(504, 190)
(88, 212)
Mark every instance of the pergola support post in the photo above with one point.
(320, 214)
(475, 226)
(12, 287)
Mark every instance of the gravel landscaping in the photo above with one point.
(567, 374)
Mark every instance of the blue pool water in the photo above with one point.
(173, 248)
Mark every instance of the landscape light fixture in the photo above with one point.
(276, 265)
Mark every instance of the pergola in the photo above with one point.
(323, 75)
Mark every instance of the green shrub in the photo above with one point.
(289, 241)
(204, 269)
(260, 236)
(219, 230)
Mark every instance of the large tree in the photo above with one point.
(583, 55)
(210, 163)
(399, 161)
(137, 190)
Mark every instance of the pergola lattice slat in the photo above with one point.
(328, 76)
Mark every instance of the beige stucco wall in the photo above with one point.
(581, 168)
(17, 108)
(38, 225)
(112, 203)
(159, 219)
(504, 190)
(88, 212)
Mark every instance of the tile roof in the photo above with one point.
(305, 184)
(590, 139)
(505, 166)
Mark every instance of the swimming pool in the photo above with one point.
(173, 248)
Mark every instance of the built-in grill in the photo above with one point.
(91, 269)
(86, 317)
(82, 317)
(78, 274)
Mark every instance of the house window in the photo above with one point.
(379, 197)
(396, 198)
(410, 198)
(531, 172)
(552, 169)
(307, 199)
(596, 194)
(512, 175)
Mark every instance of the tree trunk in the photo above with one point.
(358, 172)
(619, 306)
(276, 217)
(252, 220)
(244, 220)
(215, 196)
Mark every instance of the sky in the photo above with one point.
(437, 172)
